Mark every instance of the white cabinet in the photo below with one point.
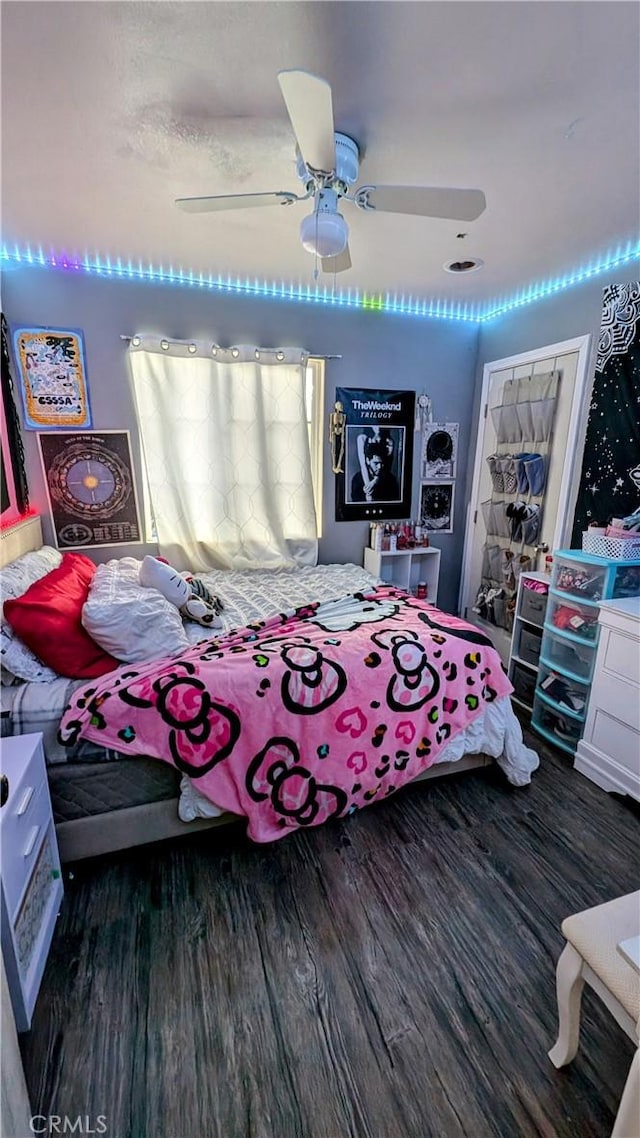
(407, 568)
(526, 636)
(30, 873)
(609, 751)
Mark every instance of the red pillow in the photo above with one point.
(47, 620)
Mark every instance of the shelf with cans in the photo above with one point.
(570, 636)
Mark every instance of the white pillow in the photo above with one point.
(130, 622)
(15, 579)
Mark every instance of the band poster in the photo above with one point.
(53, 378)
(91, 488)
(378, 454)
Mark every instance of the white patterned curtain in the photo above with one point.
(226, 446)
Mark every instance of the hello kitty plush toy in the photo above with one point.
(157, 574)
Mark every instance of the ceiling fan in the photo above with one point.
(327, 166)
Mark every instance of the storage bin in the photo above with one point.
(560, 652)
(561, 729)
(569, 695)
(529, 646)
(524, 684)
(533, 605)
(626, 582)
(615, 548)
(582, 579)
(573, 618)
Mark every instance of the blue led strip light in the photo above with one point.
(620, 256)
(105, 266)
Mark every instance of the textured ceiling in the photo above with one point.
(112, 110)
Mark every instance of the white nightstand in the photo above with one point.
(406, 568)
(29, 872)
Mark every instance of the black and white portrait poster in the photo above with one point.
(439, 451)
(91, 488)
(378, 454)
(610, 479)
(436, 506)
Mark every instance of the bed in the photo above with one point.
(108, 797)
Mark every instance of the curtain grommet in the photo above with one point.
(192, 348)
(164, 344)
(135, 341)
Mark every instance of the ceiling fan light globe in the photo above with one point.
(325, 234)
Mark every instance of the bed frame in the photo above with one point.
(154, 821)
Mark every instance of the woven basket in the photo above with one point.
(613, 548)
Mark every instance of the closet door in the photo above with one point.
(532, 404)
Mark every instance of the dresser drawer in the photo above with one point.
(21, 836)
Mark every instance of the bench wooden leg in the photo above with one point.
(569, 985)
(627, 1123)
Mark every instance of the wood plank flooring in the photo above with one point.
(389, 976)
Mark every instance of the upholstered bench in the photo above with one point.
(592, 955)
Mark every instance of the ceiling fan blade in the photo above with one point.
(337, 264)
(424, 201)
(235, 201)
(309, 103)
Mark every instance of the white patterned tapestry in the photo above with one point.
(610, 480)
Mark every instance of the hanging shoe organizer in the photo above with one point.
(523, 424)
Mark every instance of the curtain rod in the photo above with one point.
(312, 355)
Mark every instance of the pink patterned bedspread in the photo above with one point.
(304, 717)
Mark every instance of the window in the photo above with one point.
(232, 444)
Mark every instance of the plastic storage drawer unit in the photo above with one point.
(567, 655)
(572, 618)
(559, 727)
(568, 695)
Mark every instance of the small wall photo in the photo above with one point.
(439, 451)
(436, 506)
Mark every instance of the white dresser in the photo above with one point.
(30, 877)
(609, 751)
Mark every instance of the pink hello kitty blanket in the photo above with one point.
(306, 716)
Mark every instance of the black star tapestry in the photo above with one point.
(610, 480)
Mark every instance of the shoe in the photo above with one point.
(568, 732)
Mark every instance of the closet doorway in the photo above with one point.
(533, 418)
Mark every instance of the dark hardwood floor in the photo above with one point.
(390, 976)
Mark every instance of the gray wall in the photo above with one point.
(575, 312)
(378, 350)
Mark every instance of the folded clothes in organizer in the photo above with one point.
(531, 469)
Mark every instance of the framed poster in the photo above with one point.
(53, 377)
(436, 506)
(378, 454)
(91, 488)
(14, 491)
(439, 451)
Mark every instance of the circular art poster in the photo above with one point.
(91, 488)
